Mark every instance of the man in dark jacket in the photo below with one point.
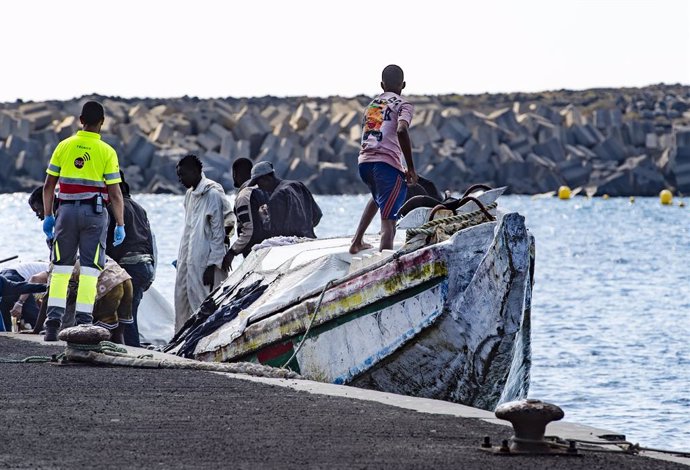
(135, 255)
(291, 206)
(251, 228)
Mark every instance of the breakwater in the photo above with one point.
(608, 141)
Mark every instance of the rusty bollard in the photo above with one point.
(529, 419)
(84, 334)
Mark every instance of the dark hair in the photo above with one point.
(92, 113)
(36, 196)
(191, 159)
(242, 165)
(393, 76)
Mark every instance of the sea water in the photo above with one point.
(611, 305)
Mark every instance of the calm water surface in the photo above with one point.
(611, 309)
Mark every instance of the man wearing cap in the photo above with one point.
(291, 206)
(88, 172)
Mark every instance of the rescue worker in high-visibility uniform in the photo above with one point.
(88, 172)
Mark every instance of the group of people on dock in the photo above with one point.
(102, 248)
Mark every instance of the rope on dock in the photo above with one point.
(625, 447)
(108, 355)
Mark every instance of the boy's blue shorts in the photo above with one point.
(387, 185)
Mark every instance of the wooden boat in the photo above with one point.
(437, 318)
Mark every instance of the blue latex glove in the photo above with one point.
(119, 235)
(48, 226)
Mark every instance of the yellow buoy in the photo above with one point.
(665, 197)
(605, 196)
(632, 199)
(564, 192)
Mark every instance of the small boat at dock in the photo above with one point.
(446, 315)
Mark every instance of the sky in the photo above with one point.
(213, 48)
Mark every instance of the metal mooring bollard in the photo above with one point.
(529, 419)
(84, 334)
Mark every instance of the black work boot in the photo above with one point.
(52, 328)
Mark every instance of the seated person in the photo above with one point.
(113, 307)
(12, 286)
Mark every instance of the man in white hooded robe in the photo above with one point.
(203, 245)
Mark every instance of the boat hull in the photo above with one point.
(450, 321)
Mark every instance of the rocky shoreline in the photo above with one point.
(619, 142)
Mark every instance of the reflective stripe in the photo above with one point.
(96, 257)
(83, 182)
(107, 326)
(56, 251)
(78, 196)
(86, 293)
(59, 282)
(57, 302)
(60, 269)
(84, 308)
(111, 176)
(54, 168)
(90, 271)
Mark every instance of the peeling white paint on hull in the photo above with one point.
(447, 321)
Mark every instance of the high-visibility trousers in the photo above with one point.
(78, 229)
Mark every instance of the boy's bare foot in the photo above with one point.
(361, 246)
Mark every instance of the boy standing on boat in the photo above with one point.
(88, 172)
(385, 142)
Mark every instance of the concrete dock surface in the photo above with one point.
(82, 416)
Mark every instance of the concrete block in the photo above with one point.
(539, 161)
(349, 119)
(138, 110)
(551, 149)
(5, 126)
(506, 154)
(139, 151)
(31, 164)
(583, 135)
(333, 178)
(243, 149)
(40, 119)
(219, 131)
(67, 127)
(572, 116)
(299, 169)
(215, 165)
(652, 141)
(161, 134)
(316, 126)
(301, 118)
(553, 116)
(610, 149)
(283, 129)
(29, 108)
(202, 120)
(505, 118)
(208, 141)
(228, 146)
(452, 128)
(575, 172)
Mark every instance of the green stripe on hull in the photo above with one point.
(353, 315)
